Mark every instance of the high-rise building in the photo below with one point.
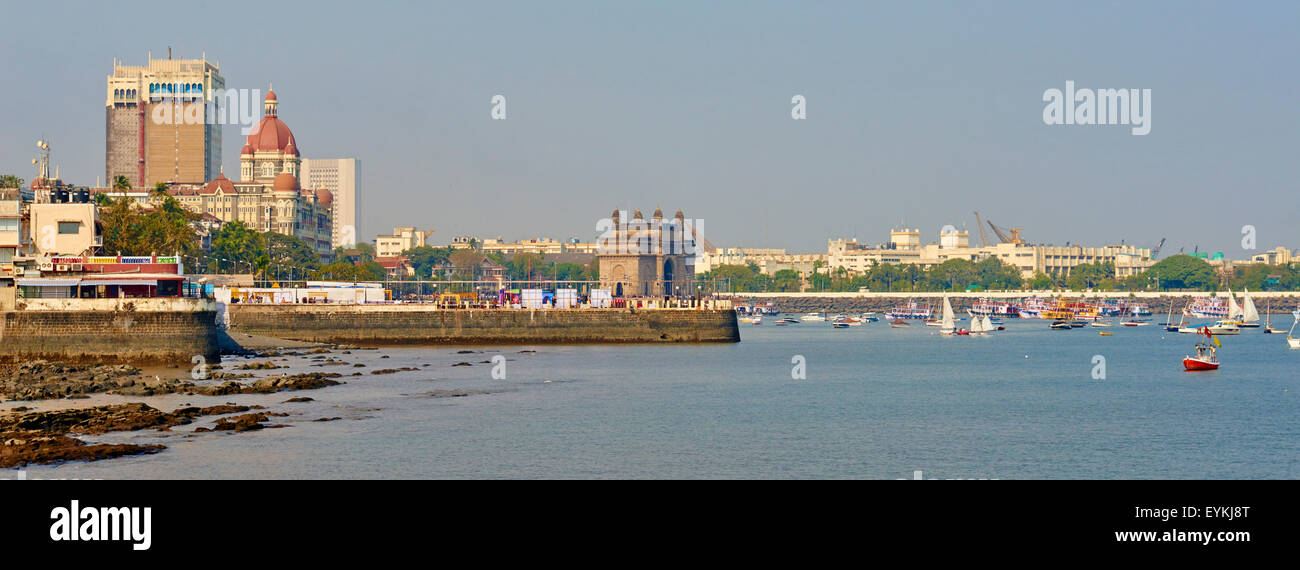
(342, 177)
(159, 126)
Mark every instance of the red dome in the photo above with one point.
(324, 197)
(285, 181)
(270, 96)
(270, 135)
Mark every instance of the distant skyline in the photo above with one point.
(917, 112)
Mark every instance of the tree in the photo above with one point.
(466, 262)
(1090, 275)
(121, 183)
(786, 280)
(237, 244)
(1183, 272)
(289, 256)
(1040, 281)
(424, 258)
(10, 181)
(164, 230)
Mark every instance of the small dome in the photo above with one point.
(270, 96)
(285, 182)
(248, 149)
(324, 197)
(636, 215)
(659, 214)
(679, 214)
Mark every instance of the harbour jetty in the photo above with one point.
(137, 331)
(386, 324)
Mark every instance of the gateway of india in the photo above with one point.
(647, 258)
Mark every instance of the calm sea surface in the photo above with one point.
(876, 403)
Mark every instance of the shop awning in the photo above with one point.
(38, 282)
(94, 282)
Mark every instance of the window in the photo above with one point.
(72, 228)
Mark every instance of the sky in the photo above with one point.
(917, 112)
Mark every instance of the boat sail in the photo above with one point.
(948, 325)
(977, 325)
(1234, 310)
(1249, 315)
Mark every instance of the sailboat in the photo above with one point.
(1268, 322)
(988, 325)
(1169, 324)
(1249, 316)
(977, 326)
(1235, 312)
(948, 324)
(1292, 341)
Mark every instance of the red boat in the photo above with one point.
(1205, 358)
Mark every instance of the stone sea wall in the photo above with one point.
(421, 324)
(137, 331)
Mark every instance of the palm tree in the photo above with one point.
(121, 183)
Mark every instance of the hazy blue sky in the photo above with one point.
(917, 111)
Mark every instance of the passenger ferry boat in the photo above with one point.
(1033, 307)
(1207, 308)
(994, 309)
(1063, 311)
(911, 311)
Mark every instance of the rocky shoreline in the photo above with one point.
(29, 436)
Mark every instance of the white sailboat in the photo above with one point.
(977, 325)
(1249, 316)
(948, 324)
(1292, 341)
(1234, 310)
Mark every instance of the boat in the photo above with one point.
(991, 308)
(989, 326)
(839, 325)
(1219, 328)
(1105, 333)
(786, 321)
(1033, 307)
(977, 326)
(757, 320)
(847, 321)
(1077, 324)
(1102, 324)
(948, 323)
(897, 323)
(1135, 323)
(1249, 315)
(1060, 326)
(1169, 324)
(813, 317)
(1268, 321)
(1292, 341)
(1205, 358)
(1207, 308)
(910, 311)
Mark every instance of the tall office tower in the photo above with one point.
(342, 177)
(159, 126)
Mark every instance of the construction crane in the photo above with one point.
(1014, 238)
(1155, 251)
(984, 237)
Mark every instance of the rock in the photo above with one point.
(299, 399)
